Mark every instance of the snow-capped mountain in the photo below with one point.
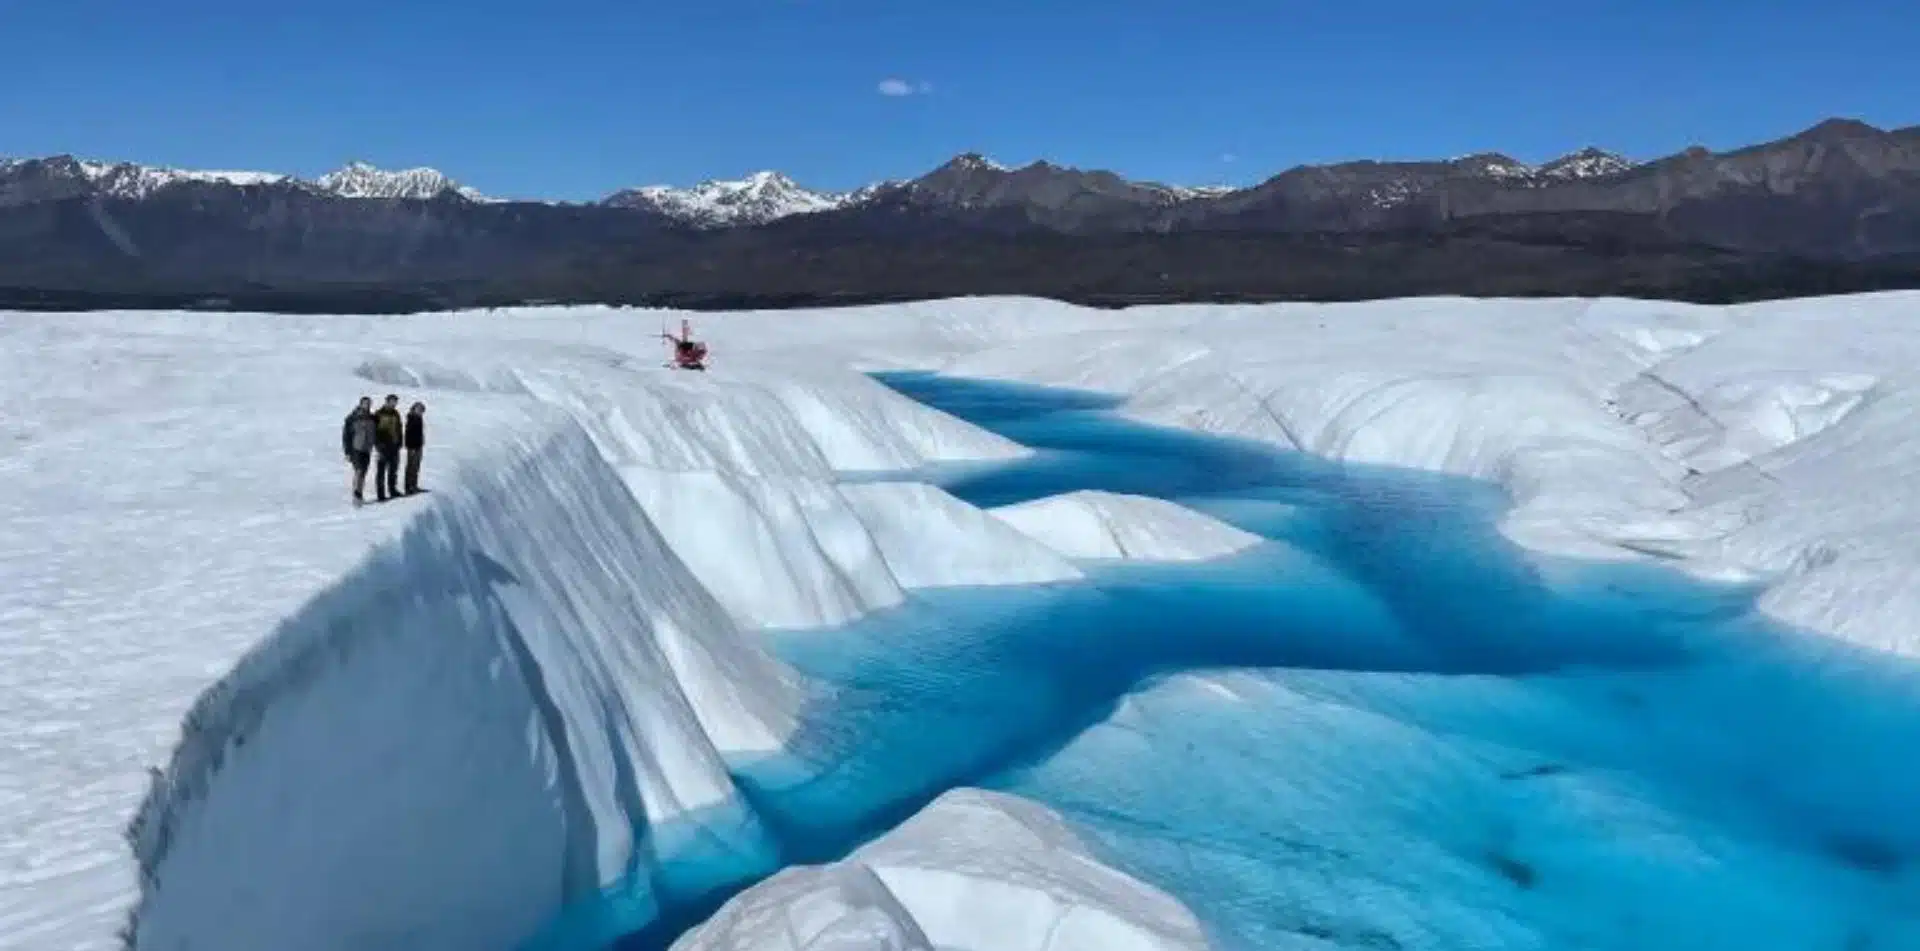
(1586, 163)
(1491, 165)
(130, 180)
(1062, 196)
(1385, 185)
(127, 180)
(769, 196)
(64, 174)
(361, 180)
(975, 162)
(756, 199)
(1589, 162)
(1044, 193)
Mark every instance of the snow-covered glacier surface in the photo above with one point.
(1570, 624)
(355, 694)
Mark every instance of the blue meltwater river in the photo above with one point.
(1383, 728)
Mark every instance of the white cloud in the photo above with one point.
(894, 86)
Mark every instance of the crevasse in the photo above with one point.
(453, 740)
(518, 716)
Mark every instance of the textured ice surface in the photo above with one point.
(439, 718)
(974, 871)
(1761, 441)
(176, 507)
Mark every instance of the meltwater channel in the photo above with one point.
(1383, 728)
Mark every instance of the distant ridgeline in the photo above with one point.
(1833, 209)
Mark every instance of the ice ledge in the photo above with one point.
(974, 871)
(464, 733)
(1107, 525)
(520, 700)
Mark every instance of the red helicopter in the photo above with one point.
(688, 353)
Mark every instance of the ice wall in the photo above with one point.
(808, 424)
(781, 551)
(463, 733)
(1109, 525)
(533, 692)
(1512, 392)
(1798, 422)
(934, 540)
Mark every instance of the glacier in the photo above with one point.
(647, 619)
(1477, 731)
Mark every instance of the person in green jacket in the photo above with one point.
(388, 430)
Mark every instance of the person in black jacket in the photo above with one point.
(387, 431)
(416, 440)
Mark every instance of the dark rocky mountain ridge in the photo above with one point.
(1836, 205)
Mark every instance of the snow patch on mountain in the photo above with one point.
(1392, 194)
(139, 180)
(361, 180)
(1587, 163)
(867, 193)
(974, 161)
(128, 180)
(1492, 165)
(1192, 192)
(1419, 178)
(757, 199)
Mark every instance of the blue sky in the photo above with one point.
(572, 99)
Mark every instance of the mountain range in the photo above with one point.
(1838, 203)
(757, 199)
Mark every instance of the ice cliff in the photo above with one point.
(533, 691)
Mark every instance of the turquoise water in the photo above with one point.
(1384, 728)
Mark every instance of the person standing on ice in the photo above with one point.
(416, 440)
(388, 429)
(356, 440)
